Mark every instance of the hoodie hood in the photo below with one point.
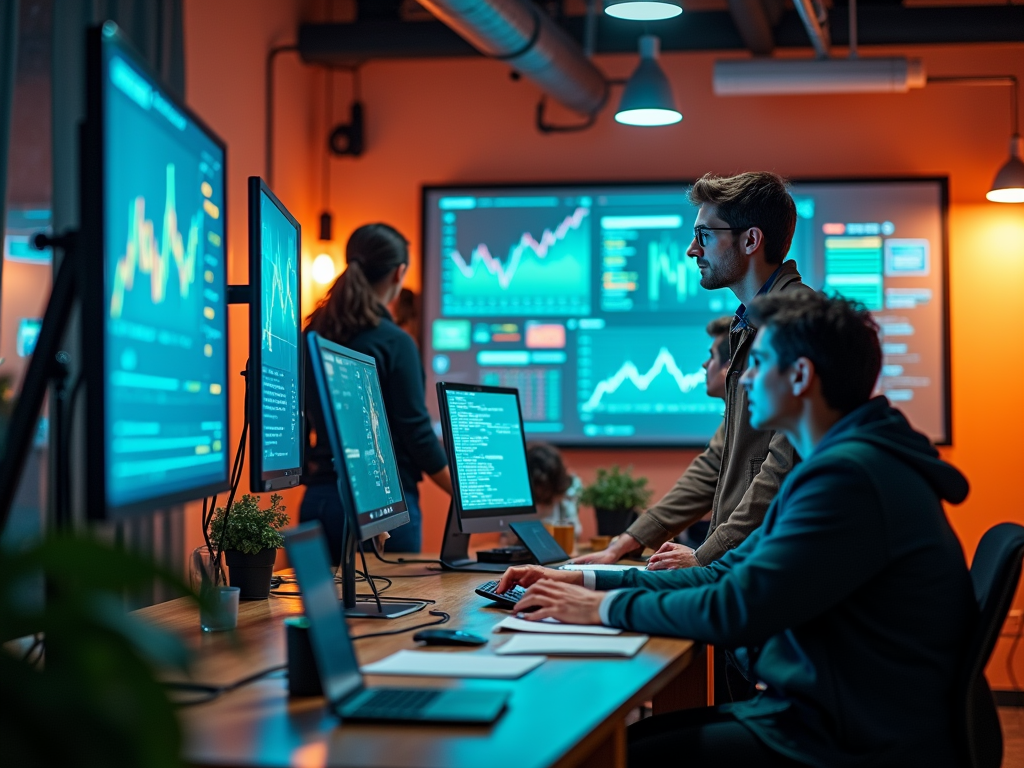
(879, 424)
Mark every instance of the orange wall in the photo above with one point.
(226, 45)
(448, 121)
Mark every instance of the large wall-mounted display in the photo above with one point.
(583, 298)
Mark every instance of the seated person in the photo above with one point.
(851, 606)
(555, 491)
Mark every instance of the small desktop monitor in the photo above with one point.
(154, 355)
(486, 447)
(357, 429)
(275, 348)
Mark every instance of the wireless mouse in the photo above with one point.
(449, 637)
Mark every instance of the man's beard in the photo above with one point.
(728, 271)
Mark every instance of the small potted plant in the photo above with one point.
(616, 496)
(250, 540)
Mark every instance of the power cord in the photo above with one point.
(208, 693)
(444, 619)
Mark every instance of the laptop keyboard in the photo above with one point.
(396, 702)
(505, 599)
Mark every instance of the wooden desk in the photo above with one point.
(567, 712)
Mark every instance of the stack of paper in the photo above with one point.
(599, 567)
(554, 626)
(573, 645)
(428, 664)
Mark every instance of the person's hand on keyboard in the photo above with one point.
(569, 603)
(525, 575)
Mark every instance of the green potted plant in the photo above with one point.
(616, 496)
(249, 540)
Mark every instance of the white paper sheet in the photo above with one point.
(553, 626)
(573, 645)
(429, 664)
(599, 567)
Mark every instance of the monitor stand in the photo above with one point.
(366, 608)
(455, 549)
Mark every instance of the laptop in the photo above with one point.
(539, 542)
(340, 678)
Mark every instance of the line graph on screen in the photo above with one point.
(546, 273)
(143, 255)
(639, 371)
(280, 313)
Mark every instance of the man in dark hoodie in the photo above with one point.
(850, 606)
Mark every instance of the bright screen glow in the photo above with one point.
(583, 298)
(165, 333)
(279, 339)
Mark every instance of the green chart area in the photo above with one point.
(670, 271)
(542, 271)
(853, 269)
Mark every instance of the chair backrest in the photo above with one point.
(995, 574)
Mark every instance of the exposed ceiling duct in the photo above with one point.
(815, 18)
(522, 35)
(755, 21)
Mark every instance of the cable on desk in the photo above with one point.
(444, 619)
(402, 560)
(215, 691)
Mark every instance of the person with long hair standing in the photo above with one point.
(354, 313)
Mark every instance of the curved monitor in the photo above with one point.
(275, 348)
(155, 352)
(357, 429)
(486, 447)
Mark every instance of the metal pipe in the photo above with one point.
(519, 33)
(815, 22)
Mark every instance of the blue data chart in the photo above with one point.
(279, 338)
(536, 263)
(646, 378)
(165, 331)
(363, 430)
(487, 444)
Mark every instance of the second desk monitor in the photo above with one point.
(275, 351)
(484, 439)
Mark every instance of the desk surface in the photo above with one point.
(567, 712)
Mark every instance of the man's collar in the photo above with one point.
(741, 313)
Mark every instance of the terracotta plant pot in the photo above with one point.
(251, 573)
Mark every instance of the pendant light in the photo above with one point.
(643, 10)
(1008, 185)
(648, 99)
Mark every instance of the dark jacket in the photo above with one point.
(402, 383)
(740, 471)
(852, 603)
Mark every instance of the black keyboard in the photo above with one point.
(396, 702)
(504, 599)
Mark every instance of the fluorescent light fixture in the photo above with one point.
(648, 99)
(643, 10)
(1008, 186)
(776, 77)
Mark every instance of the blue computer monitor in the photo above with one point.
(357, 429)
(154, 309)
(486, 447)
(275, 348)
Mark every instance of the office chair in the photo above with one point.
(995, 573)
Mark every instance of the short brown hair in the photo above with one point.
(757, 199)
(839, 336)
(719, 325)
(548, 475)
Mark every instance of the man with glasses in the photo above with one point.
(741, 237)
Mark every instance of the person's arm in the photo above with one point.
(443, 480)
(407, 410)
(749, 513)
(823, 545)
(688, 501)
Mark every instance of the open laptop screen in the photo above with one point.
(332, 648)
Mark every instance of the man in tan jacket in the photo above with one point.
(741, 236)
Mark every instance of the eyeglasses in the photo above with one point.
(700, 233)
